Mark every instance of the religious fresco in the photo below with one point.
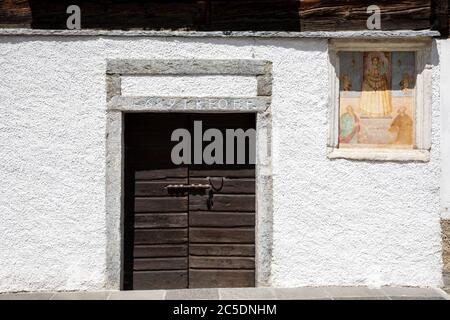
(377, 100)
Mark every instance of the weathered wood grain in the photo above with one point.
(163, 204)
(160, 236)
(327, 15)
(244, 250)
(15, 13)
(221, 219)
(221, 278)
(161, 220)
(178, 231)
(156, 188)
(150, 251)
(227, 185)
(222, 235)
(222, 202)
(162, 174)
(225, 172)
(145, 280)
(162, 264)
(231, 15)
(215, 262)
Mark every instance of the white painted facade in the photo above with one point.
(445, 128)
(335, 222)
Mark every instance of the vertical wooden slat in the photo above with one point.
(156, 220)
(222, 220)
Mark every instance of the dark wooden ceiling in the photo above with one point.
(230, 15)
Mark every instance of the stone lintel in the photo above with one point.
(187, 67)
(189, 104)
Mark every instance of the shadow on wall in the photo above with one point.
(227, 15)
(206, 15)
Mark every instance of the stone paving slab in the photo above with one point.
(193, 294)
(307, 293)
(304, 293)
(138, 295)
(101, 295)
(27, 296)
(355, 292)
(411, 292)
(247, 294)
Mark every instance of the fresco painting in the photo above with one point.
(377, 100)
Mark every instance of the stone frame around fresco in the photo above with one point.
(117, 105)
(423, 94)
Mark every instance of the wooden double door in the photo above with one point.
(186, 226)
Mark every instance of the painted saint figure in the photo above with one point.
(405, 83)
(375, 95)
(349, 127)
(346, 83)
(403, 126)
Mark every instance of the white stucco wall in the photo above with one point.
(335, 222)
(445, 128)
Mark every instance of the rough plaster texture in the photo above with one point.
(335, 222)
(445, 128)
(445, 159)
(346, 222)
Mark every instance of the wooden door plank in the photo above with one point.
(155, 188)
(179, 263)
(163, 204)
(227, 185)
(241, 203)
(222, 235)
(225, 172)
(162, 174)
(160, 236)
(160, 220)
(158, 157)
(221, 219)
(244, 250)
(217, 262)
(159, 251)
(221, 278)
(146, 280)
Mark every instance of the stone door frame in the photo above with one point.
(117, 105)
